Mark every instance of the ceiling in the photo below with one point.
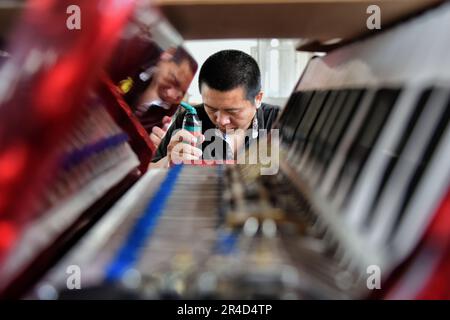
(316, 21)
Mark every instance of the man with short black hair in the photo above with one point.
(230, 85)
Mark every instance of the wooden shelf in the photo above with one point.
(315, 20)
(9, 13)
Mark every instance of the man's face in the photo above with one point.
(229, 110)
(173, 80)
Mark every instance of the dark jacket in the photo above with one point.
(266, 116)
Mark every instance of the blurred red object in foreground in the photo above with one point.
(44, 83)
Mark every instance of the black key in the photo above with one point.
(318, 126)
(287, 114)
(427, 155)
(309, 119)
(421, 103)
(296, 115)
(342, 123)
(361, 148)
(335, 102)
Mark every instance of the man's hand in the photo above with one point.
(158, 133)
(182, 147)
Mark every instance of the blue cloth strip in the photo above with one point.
(226, 242)
(143, 229)
(77, 156)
